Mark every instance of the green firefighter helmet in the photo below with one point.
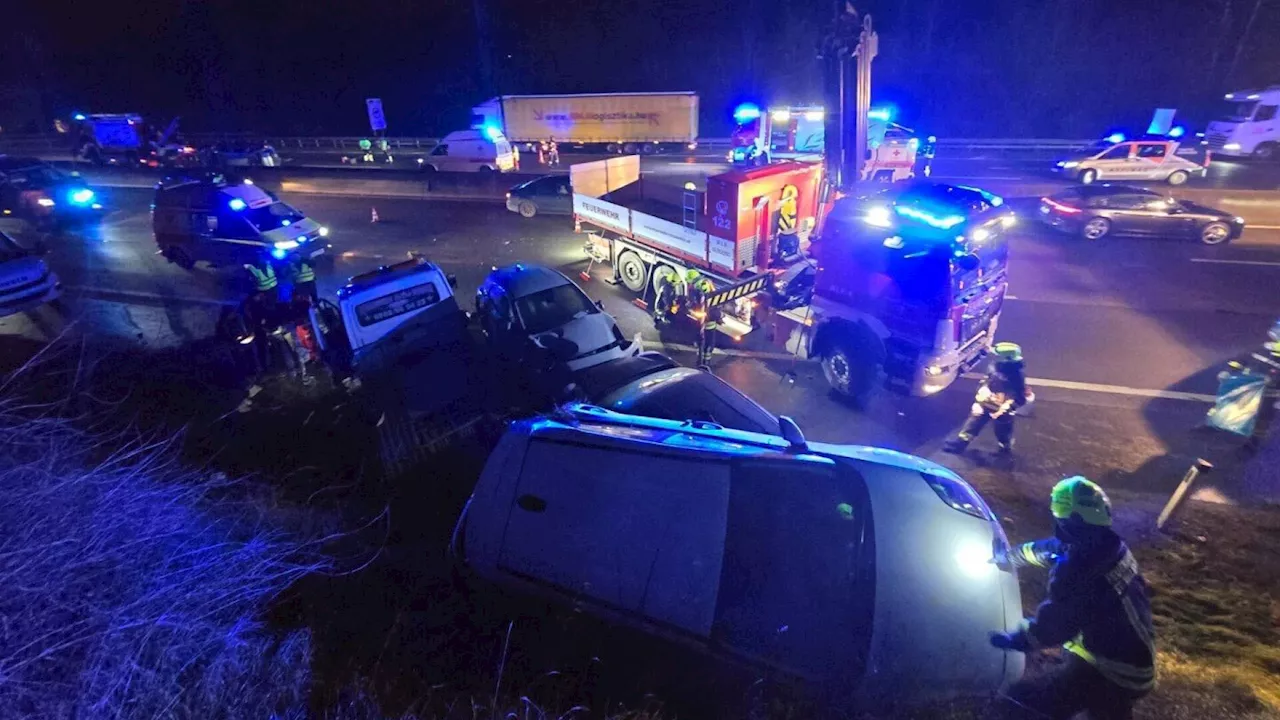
(691, 276)
(1080, 496)
(1007, 352)
(365, 144)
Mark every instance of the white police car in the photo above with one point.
(25, 279)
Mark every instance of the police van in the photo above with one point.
(224, 223)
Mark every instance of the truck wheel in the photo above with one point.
(1088, 176)
(648, 148)
(612, 148)
(660, 272)
(179, 257)
(1178, 177)
(850, 370)
(1265, 151)
(527, 209)
(632, 270)
(629, 148)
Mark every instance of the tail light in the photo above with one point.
(1064, 209)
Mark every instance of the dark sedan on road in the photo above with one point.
(549, 195)
(1096, 211)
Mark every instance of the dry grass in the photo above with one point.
(132, 586)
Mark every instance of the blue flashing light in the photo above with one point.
(1115, 138)
(491, 132)
(1177, 132)
(236, 204)
(83, 196)
(285, 223)
(78, 117)
(746, 112)
(944, 223)
(278, 253)
(883, 114)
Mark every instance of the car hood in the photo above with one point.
(21, 271)
(588, 334)
(304, 227)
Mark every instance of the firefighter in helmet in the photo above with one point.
(1002, 392)
(1096, 609)
(669, 301)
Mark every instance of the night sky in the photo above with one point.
(959, 68)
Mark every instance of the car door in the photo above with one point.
(1143, 215)
(440, 158)
(559, 197)
(1148, 161)
(1114, 163)
(644, 538)
(797, 588)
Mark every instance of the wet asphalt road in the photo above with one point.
(1123, 337)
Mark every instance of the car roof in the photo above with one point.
(19, 162)
(1099, 190)
(671, 387)
(520, 280)
(739, 442)
(388, 273)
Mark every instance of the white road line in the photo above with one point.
(1109, 389)
(1247, 226)
(109, 294)
(1266, 263)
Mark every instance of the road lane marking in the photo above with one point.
(1247, 226)
(114, 295)
(977, 177)
(1267, 263)
(1110, 389)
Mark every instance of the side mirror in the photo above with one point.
(967, 262)
(452, 280)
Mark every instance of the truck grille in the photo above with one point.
(972, 325)
(1216, 140)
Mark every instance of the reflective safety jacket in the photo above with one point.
(303, 272)
(264, 280)
(1096, 608)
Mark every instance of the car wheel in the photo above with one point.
(527, 209)
(179, 257)
(1215, 233)
(485, 170)
(1088, 176)
(850, 373)
(632, 270)
(1265, 151)
(1096, 228)
(429, 168)
(659, 273)
(1178, 177)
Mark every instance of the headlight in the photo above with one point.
(1231, 146)
(324, 231)
(1239, 220)
(1069, 164)
(980, 234)
(878, 217)
(81, 196)
(286, 244)
(1009, 221)
(45, 202)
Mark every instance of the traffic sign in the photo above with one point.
(376, 119)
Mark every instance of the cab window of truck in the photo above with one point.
(1239, 110)
(397, 303)
(1265, 113)
(270, 217)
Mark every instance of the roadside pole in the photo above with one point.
(1200, 467)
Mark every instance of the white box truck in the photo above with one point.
(603, 122)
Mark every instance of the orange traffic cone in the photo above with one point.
(373, 216)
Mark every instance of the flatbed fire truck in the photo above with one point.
(902, 284)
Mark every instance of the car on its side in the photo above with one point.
(1096, 211)
(547, 195)
(523, 307)
(26, 281)
(870, 575)
(653, 385)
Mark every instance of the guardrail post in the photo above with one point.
(1180, 494)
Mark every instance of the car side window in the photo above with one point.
(1153, 151)
(233, 225)
(1118, 152)
(440, 150)
(1125, 202)
(562, 187)
(1265, 113)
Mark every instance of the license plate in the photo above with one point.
(316, 253)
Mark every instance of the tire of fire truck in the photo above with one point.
(527, 209)
(633, 271)
(659, 272)
(1178, 177)
(1087, 177)
(613, 148)
(629, 148)
(1095, 228)
(648, 148)
(851, 361)
(1265, 151)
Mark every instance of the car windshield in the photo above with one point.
(37, 176)
(1238, 110)
(10, 250)
(275, 215)
(549, 309)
